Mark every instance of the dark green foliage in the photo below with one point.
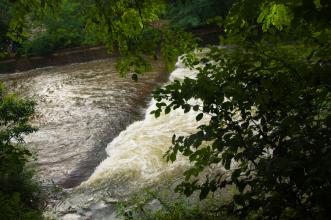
(18, 192)
(61, 29)
(15, 207)
(193, 13)
(164, 204)
(4, 25)
(133, 29)
(14, 14)
(269, 100)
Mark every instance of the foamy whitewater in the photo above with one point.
(135, 160)
(136, 155)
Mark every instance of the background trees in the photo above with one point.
(63, 28)
(268, 97)
(190, 14)
(4, 24)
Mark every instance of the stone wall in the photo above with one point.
(61, 57)
(208, 35)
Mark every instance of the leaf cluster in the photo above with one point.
(189, 14)
(58, 29)
(18, 192)
(133, 29)
(13, 15)
(268, 98)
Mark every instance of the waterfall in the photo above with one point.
(136, 156)
(134, 160)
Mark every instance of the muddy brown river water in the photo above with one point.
(80, 109)
(97, 138)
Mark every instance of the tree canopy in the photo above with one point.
(269, 101)
(19, 194)
(268, 96)
(131, 28)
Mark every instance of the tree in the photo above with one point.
(18, 192)
(58, 29)
(268, 97)
(13, 15)
(190, 14)
(132, 29)
(4, 23)
(128, 27)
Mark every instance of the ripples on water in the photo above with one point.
(134, 161)
(80, 109)
(135, 157)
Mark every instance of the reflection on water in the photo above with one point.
(81, 108)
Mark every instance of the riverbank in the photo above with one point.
(207, 34)
(61, 57)
(80, 109)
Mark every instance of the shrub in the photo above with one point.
(190, 14)
(269, 102)
(63, 28)
(162, 203)
(19, 193)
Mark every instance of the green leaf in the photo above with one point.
(172, 157)
(199, 117)
(157, 113)
(167, 110)
(204, 192)
(134, 77)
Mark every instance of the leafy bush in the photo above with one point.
(19, 193)
(5, 17)
(13, 208)
(269, 103)
(63, 28)
(161, 203)
(189, 13)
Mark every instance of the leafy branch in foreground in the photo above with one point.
(133, 29)
(19, 194)
(269, 100)
(161, 203)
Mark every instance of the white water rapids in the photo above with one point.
(135, 157)
(81, 107)
(134, 161)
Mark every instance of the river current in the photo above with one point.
(96, 134)
(80, 109)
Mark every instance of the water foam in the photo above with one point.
(136, 155)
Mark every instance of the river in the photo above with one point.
(96, 135)
(80, 109)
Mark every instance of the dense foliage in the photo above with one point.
(131, 28)
(4, 25)
(63, 28)
(45, 30)
(161, 203)
(18, 192)
(14, 20)
(194, 13)
(38, 29)
(268, 97)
